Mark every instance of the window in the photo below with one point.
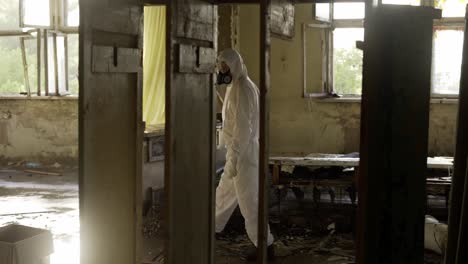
(341, 26)
(448, 48)
(342, 62)
(35, 13)
(347, 61)
(39, 47)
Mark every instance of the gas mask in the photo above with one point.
(224, 78)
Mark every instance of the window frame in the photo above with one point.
(447, 23)
(62, 8)
(328, 89)
(325, 45)
(58, 27)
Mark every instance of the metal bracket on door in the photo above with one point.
(116, 59)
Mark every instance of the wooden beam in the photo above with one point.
(110, 152)
(189, 175)
(13, 33)
(456, 227)
(462, 254)
(46, 62)
(39, 52)
(56, 75)
(25, 67)
(264, 131)
(394, 134)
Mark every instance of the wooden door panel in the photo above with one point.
(110, 132)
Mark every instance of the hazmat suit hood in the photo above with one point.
(235, 63)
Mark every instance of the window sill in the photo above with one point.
(344, 99)
(349, 99)
(23, 97)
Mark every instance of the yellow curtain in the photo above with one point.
(154, 65)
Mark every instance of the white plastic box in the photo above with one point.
(25, 245)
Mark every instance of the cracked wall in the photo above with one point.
(43, 130)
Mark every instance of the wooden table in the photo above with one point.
(434, 185)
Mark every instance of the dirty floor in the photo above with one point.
(304, 232)
(43, 201)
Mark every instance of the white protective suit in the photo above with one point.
(239, 182)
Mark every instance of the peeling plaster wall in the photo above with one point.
(39, 130)
(442, 129)
(301, 126)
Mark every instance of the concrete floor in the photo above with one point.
(291, 250)
(57, 196)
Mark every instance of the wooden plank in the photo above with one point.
(276, 174)
(264, 136)
(189, 175)
(39, 55)
(462, 255)
(457, 243)
(56, 74)
(25, 67)
(110, 142)
(43, 172)
(46, 62)
(13, 33)
(394, 134)
(65, 42)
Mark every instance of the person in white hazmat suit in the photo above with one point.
(239, 182)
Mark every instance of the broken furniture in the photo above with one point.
(435, 185)
(25, 245)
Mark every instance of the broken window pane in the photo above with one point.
(452, 8)
(348, 11)
(9, 19)
(36, 13)
(73, 13)
(347, 61)
(446, 61)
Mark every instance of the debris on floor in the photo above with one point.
(43, 172)
(435, 235)
(46, 202)
(152, 222)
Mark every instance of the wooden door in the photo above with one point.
(190, 131)
(110, 127)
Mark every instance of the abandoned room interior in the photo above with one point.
(122, 131)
